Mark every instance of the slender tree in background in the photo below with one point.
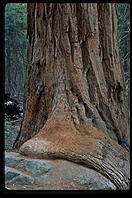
(76, 106)
(124, 41)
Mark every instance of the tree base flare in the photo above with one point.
(88, 146)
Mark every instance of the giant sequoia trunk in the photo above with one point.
(76, 106)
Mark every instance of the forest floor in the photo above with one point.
(12, 129)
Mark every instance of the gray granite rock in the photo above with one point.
(23, 179)
(11, 154)
(96, 182)
(14, 162)
(38, 167)
(35, 166)
(13, 175)
(26, 171)
(10, 174)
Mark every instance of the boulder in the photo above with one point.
(52, 173)
(15, 176)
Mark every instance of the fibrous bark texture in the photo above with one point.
(76, 105)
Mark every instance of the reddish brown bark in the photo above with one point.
(76, 105)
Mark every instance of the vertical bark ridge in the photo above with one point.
(112, 68)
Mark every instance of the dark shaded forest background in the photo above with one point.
(16, 46)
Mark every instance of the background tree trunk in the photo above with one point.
(76, 105)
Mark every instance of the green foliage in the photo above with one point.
(123, 12)
(15, 29)
(15, 46)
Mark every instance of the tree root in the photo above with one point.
(89, 147)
